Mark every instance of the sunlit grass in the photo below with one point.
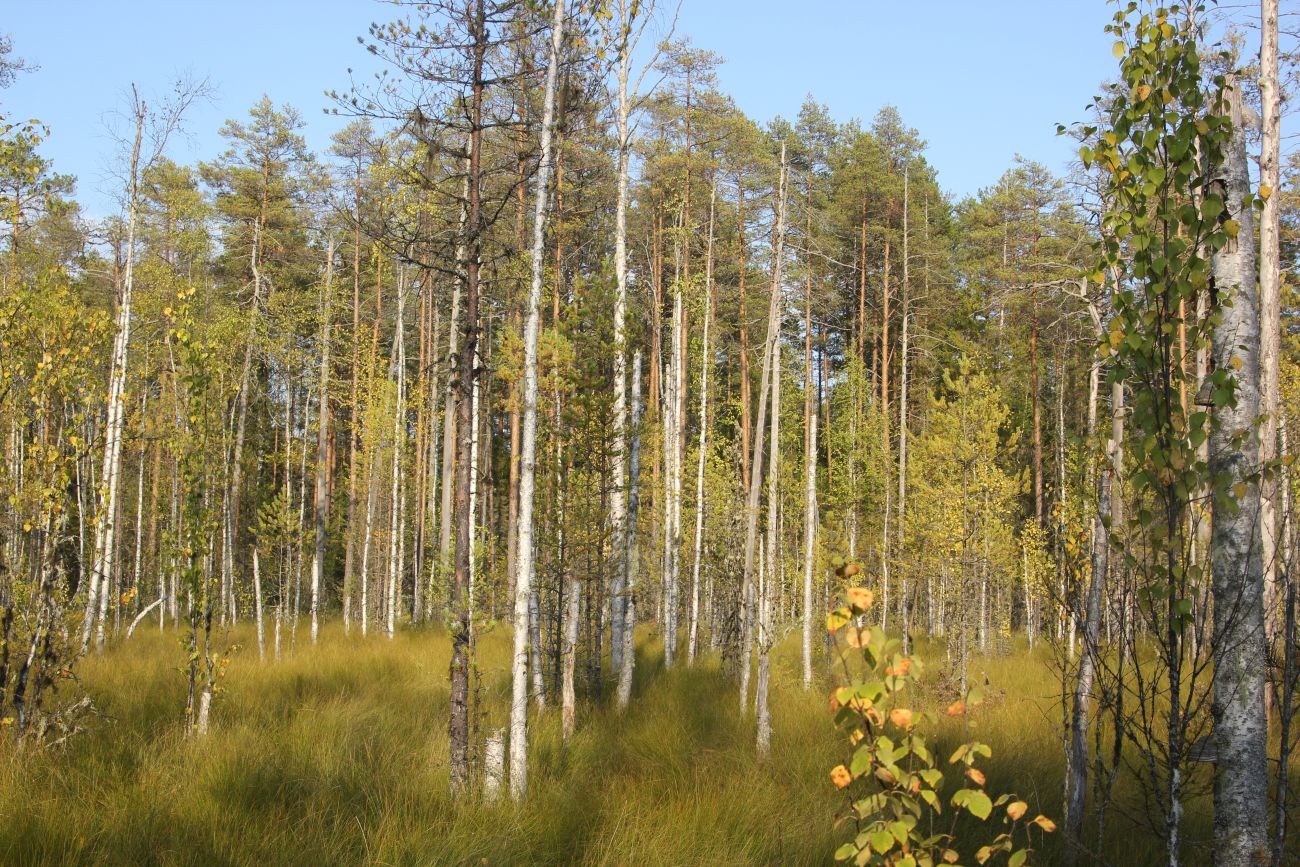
(337, 755)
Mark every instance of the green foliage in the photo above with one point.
(892, 781)
(49, 387)
(1161, 226)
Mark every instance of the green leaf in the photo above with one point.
(1017, 858)
(882, 841)
(1118, 49)
(978, 804)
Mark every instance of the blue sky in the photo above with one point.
(981, 81)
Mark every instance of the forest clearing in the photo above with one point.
(541, 457)
(326, 758)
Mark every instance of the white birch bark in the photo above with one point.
(528, 446)
(322, 448)
(809, 545)
(673, 471)
(705, 363)
(632, 563)
(756, 474)
(101, 578)
(618, 500)
(773, 565)
(435, 478)
(1241, 732)
(257, 605)
(399, 437)
(1270, 312)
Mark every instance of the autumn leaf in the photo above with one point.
(976, 775)
(901, 717)
(840, 776)
(1045, 823)
(957, 708)
(1016, 809)
(860, 598)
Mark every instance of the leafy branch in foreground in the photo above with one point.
(892, 783)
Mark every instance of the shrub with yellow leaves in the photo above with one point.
(893, 789)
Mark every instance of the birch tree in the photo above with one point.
(528, 457)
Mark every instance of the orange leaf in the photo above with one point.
(1016, 809)
(1045, 823)
(957, 708)
(840, 776)
(860, 598)
(901, 717)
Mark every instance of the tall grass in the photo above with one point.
(337, 755)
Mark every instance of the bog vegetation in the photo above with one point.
(568, 468)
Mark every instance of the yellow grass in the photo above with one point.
(337, 755)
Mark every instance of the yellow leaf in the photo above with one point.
(1045, 823)
(976, 776)
(1016, 809)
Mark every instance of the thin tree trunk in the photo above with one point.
(354, 425)
(467, 376)
(632, 562)
(705, 363)
(322, 445)
(257, 605)
(528, 450)
(399, 437)
(101, 578)
(751, 530)
(809, 545)
(1076, 783)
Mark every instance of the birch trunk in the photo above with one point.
(399, 437)
(672, 430)
(1077, 765)
(528, 449)
(705, 364)
(101, 578)
(257, 605)
(773, 565)
(1240, 793)
(618, 500)
(809, 545)
(322, 504)
(631, 563)
(756, 472)
(1270, 318)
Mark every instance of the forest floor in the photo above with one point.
(337, 755)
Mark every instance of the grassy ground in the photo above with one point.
(338, 756)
